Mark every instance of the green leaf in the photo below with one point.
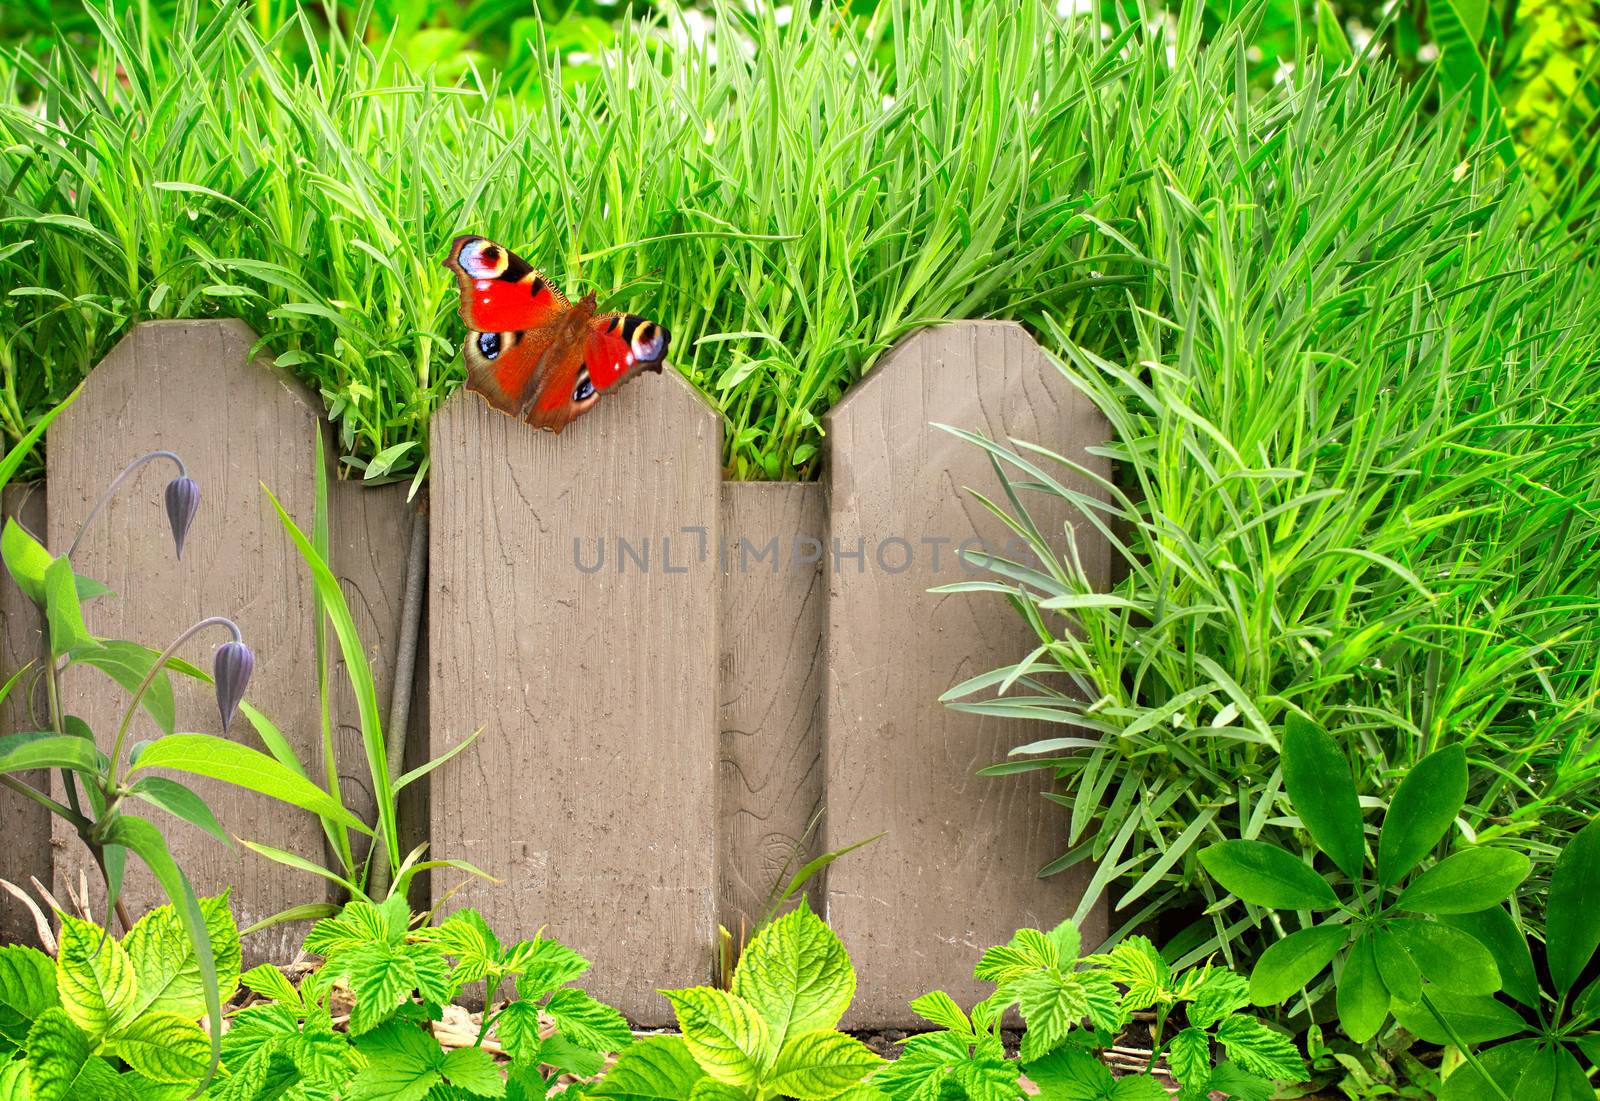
(1448, 957)
(1399, 970)
(942, 1010)
(656, 1068)
(1215, 993)
(1266, 875)
(180, 801)
(1505, 1064)
(1476, 1018)
(163, 1048)
(1066, 1074)
(1572, 917)
(1462, 69)
(1235, 1082)
(1136, 964)
(128, 663)
(709, 1089)
(1029, 950)
(1260, 1049)
(517, 1026)
(403, 1064)
(52, 751)
(95, 978)
(817, 1065)
(382, 978)
(1138, 1087)
(588, 1023)
(1465, 882)
(473, 1069)
(14, 1081)
(270, 982)
(1332, 41)
(27, 989)
(24, 447)
(1316, 774)
(1362, 998)
(1190, 1058)
(467, 936)
(1068, 941)
(1497, 931)
(62, 611)
(797, 975)
(62, 1065)
(163, 957)
(359, 924)
(1424, 805)
(243, 767)
(1051, 1004)
(544, 965)
(25, 558)
(568, 1057)
(140, 837)
(725, 1034)
(1288, 965)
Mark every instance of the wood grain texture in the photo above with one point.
(239, 423)
(369, 533)
(592, 790)
(26, 851)
(770, 772)
(957, 869)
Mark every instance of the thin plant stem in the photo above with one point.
(110, 490)
(155, 668)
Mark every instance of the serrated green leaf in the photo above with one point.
(1028, 950)
(163, 1048)
(1051, 1004)
(381, 978)
(543, 966)
(95, 979)
(358, 924)
(62, 1065)
(1137, 965)
(942, 1010)
(467, 937)
(27, 989)
(656, 1068)
(817, 1065)
(164, 963)
(725, 1034)
(403, 1064)
(473, 1069)
(923, 1067)
(709, 1089)
(269, 981)
(1068, 941)
(1067, 1074)
(568, 1057)
(1260, 1050)
(797, 975)
(1190, 1058)
(518, 1030)
(587, 1022)
(1240, 1085)
(1138, 1087)
(1217, 993)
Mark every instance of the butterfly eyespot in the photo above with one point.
(489, 345)
(584, 391)
(650, 342)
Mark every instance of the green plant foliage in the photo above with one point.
(771, 1036)
(1377, 936)
(1076, 1008)
(1350, 459)
(401, 978)
(1532, 1040)
(114, 1020)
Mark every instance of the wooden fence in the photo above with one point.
(685, 685)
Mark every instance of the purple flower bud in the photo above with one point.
(183, 501)
(231, 673)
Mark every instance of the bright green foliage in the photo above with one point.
(1380, 938)
(1541, 1039)
(771, 1036)
(109, 1019)
(1075, 1008)
(401, 978)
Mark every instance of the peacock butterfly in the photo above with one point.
(531, 353)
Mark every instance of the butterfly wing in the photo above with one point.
(620, 346)
(500, 291)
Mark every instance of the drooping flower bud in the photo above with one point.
(183, 501)
(232, 673)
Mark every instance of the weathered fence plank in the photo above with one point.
(770, 783)
(26, 851)
(239, 423)
(592, 790)
(957, 870)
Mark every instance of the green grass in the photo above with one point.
(788, 211)
(1357, 435)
